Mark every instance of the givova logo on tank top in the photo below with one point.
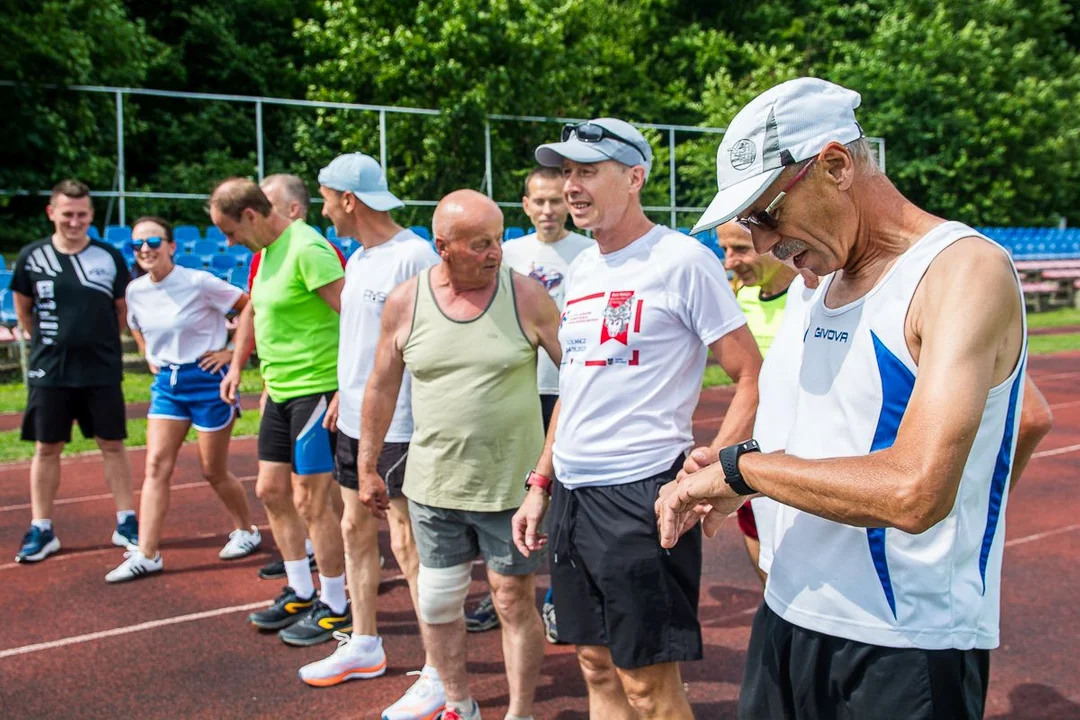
(600, 327)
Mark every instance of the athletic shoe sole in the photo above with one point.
(357, 673)
(237, 555)
(433, 716)
(279, 625)
(120, 541)
(49, 548)
(129, 578)
(314, 639)
(482, 627)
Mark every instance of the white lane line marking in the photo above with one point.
(108, 496)
(1056, 451)
(1055, 376)
(1040, 536)
(151, 625)
(1059, 406)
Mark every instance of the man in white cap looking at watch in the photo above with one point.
(643, 308)
(883, 596)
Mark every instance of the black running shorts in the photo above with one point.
(391, 464)
(50, 412)
(613, 583)
(794, 673)
(292, 432)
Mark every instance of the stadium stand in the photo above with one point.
(214, 233)
(222, 262)
(189, 261)
(117, 235)
(421, 231)
(184, 234)
(513, 232)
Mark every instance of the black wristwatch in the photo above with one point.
(729, 461)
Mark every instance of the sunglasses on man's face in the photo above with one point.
(153, 243)
(764, 218)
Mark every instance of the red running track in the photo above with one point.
(177, 645)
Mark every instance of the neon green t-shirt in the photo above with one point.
(763, 317)
(296, 331)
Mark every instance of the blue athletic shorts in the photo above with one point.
(187, 392)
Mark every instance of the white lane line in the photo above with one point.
(1056, 451)
(108, 496)
(1055, 376)
(1040, 536)
(1062, 405)
(151, 625)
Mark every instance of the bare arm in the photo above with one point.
(539, 316)
(24, 311)
(384, 383)
(912, 485)
(331, 294)
(738, 354)
(244, 337)
(1035, 422)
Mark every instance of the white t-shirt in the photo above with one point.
(183, 316)
(778, 387)
(548, 263)
(634, 337)
(370, 275)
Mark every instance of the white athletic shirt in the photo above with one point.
(183, 316)
(370, 275)
(778, 384)
(550, 264)
(634, 337)
(936, 590)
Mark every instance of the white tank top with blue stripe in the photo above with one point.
(941, 588)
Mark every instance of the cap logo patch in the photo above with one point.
(742, 154)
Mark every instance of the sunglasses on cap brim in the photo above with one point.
(589, 132)
(153, 243)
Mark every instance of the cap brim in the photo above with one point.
(733, 200)
(553, 154)
(381, 201)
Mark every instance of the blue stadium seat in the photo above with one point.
(214, 233)
(238, 278)
(683, 229)
(222, 262)
(7, 308)
(184, 234)
(117, 235)
(318, 229)
(221, 273)
(92, 233)
(3, 263)
(5, 279)
(421, 231)
(513, 232)
(205, 249)
(240, 254)
(189, 261)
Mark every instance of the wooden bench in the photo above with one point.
(1039, 294)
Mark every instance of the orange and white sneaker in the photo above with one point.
(354, 658)
(425, 700)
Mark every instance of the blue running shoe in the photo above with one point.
(37, 544)
(126, 534)
(483, 617)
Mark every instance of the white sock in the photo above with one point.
(44, 524)
(431, 672)
(309, 548)
(332, 592)
(366, 643)
(299, 574)
(122, 515)
(464, 707)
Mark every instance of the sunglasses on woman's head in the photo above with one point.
(153, 243)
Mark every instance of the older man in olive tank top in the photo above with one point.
(467, 330)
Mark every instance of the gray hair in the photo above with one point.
(294, 187)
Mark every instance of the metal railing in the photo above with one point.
(121, 194)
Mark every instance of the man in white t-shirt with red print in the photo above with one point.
(643, 308)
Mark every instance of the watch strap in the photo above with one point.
(729, 462)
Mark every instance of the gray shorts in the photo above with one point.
(445, 538)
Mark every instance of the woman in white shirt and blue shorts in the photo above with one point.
(177, 317)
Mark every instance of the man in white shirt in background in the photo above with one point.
(356, 199)
(545, 256)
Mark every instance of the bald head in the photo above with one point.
(466, 213)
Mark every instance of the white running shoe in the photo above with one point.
(425, 700)
(135, 565)
(473, 714)
(347, 662)
(241, 544)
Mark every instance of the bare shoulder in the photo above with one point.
(532, 297)
(972, 267)
(398, 309)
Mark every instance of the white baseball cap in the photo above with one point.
(361, 175)
(780, 127)
(598, 140)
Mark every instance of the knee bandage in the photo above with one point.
(442, 593)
